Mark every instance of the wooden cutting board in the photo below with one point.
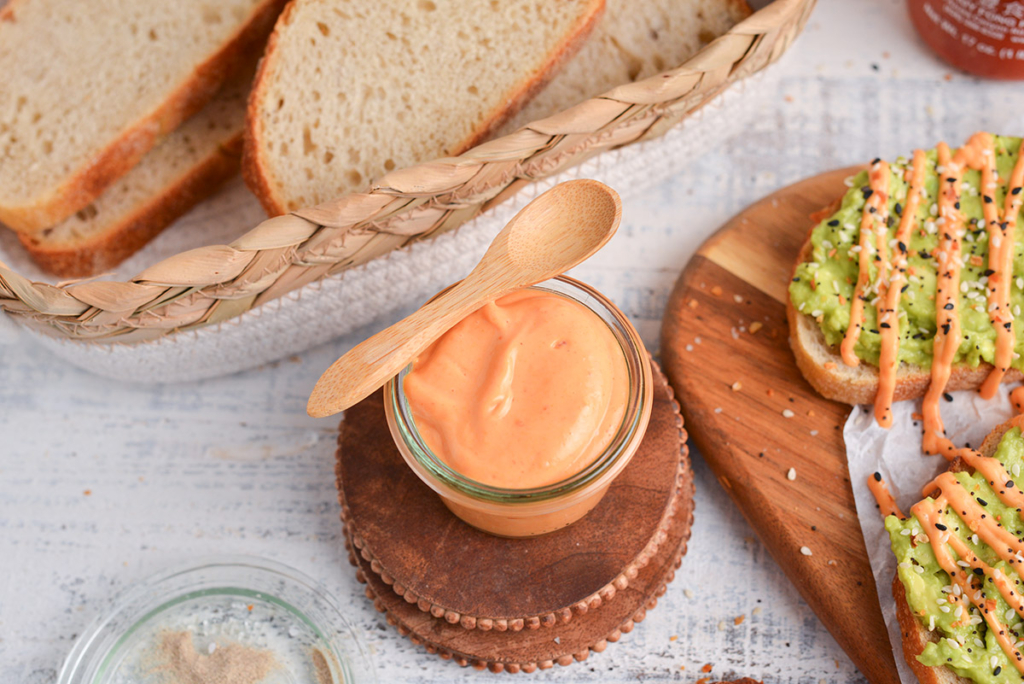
(748, 409)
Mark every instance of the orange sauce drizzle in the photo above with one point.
(948, 335)
(886, 503)
(1000, 259)
(888, 306)
(872, 223)
(1017, 399)
(930, 514)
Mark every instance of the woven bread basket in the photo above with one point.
(292, 281)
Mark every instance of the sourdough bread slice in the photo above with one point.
(823, 367)
(349, 92)
(185, 168)
(88, 91)
(914, 634)
(633, 41)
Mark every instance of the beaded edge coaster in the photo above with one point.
(403, 616)
(663, 393)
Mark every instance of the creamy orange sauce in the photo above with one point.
(947, 296)
(889, 305)
(872, 225)
(527, 391)
(880, 490)
(1017, 399)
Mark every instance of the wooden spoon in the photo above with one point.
(551, 234)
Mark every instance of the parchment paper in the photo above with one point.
(896, 453)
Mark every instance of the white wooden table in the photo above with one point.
(102, 484)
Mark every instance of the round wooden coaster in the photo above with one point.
(531, 649)
(474, 580)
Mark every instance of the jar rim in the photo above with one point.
(634, 417)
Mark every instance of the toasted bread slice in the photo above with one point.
(914, 633)
(634, 40)
(186, 167)
(349, 92)
(828, 374)
(87, 92)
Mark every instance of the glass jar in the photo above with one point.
(531, 512)
(221, 601)
(981, 37)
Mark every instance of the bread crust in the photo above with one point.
(256, 170)
(823, 367)
(915, 638)
(122, 154)
(106, 250)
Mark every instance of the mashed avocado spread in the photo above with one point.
(823, 287)
(967, 645)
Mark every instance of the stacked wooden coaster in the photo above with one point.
(514, 604)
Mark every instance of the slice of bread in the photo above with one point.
(914, 634)
(348, 92)
(185, 168)
(88, 91)
(826, 372)
(634, 40)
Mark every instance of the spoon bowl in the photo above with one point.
(556, 231)
(580, 204)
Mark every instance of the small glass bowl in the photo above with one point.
(223, 600)
(531, 512)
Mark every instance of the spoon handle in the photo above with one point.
(374, 361)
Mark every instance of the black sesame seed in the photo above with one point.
(947, 396)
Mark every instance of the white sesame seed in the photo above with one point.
(688, 593)
(786, 413)
(805, 551)
(791, 474)
(737, 298)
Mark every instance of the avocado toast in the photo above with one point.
(960, 560)
(910, 284)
